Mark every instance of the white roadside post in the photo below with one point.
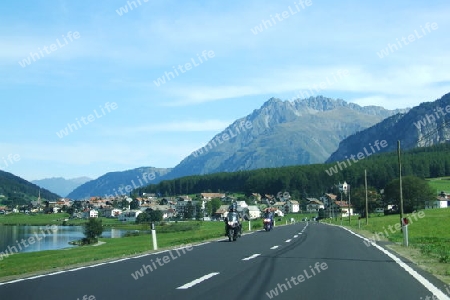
(249, 225)
(405, 232)
(155, 243)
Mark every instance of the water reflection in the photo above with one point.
(22, 238)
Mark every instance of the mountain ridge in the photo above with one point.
(424, 125)
(309, 130)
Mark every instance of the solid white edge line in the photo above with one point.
(72, 270)
(34, 277)
(93, 266)
(196, 281)
(201, 244)
(14, 281)
(100, 264)
(116, 261)
(143, 255)
(428, 285)
(56, 273)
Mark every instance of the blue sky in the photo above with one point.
(67, 61)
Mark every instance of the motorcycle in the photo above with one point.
(268, 221)
(233, 228)
(267, 224)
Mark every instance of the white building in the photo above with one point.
(129, 215)
(253, 212)
(314, 205)
(294, 206)
(90, 214)
(241, 204)
(439, 202)
(111, 212)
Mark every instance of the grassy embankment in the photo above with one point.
(169, 235)
(429, 237)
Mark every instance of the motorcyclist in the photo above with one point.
(268, 214)
(232, 209)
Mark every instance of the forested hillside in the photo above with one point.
(314, 180)
(17, 191)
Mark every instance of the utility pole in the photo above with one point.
(400, 180)
(403, 222)
(367, 201)
(349, 207)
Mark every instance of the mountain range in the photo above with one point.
(283, 133)
(424, 125)
(119, 183)
(61, 186)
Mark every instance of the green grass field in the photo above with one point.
(35, 219)
(440, 184)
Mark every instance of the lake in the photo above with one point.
(22, 238)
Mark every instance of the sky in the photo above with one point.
(90, 87)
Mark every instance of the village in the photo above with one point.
(209, 206)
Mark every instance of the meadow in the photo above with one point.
(440, 184)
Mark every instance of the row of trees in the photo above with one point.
(416, 192)
(313, 180)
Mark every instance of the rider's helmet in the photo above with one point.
(233, 207)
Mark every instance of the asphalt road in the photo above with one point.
(301, 261)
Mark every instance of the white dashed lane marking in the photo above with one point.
(196, 281)
(251, 257)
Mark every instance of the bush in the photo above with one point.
(444, 256)
(132, 233)
(178, 227)
(88, 241)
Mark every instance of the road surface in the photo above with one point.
(300, 261)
